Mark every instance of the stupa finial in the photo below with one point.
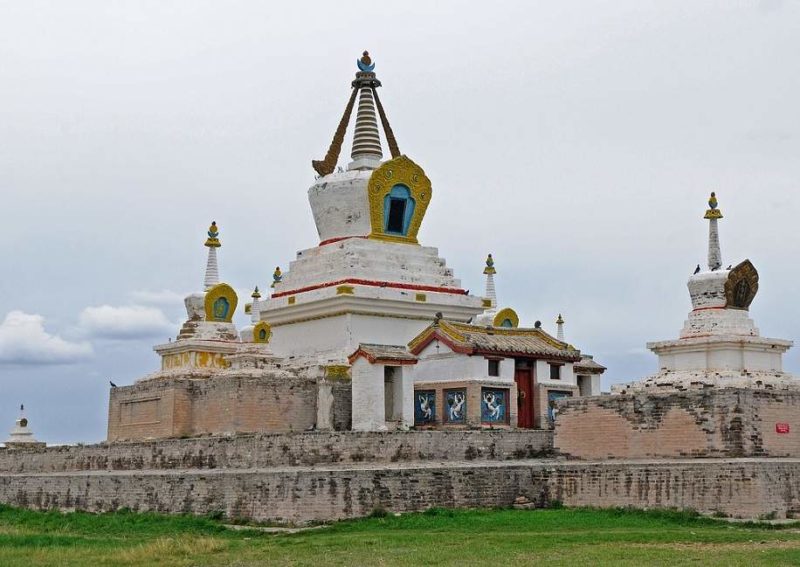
(212, 270)
(213, 236)
(365, 64)
(256, 294)
(489, 269)
(713, 214)
(277, 276)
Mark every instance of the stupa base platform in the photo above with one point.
(712, 422)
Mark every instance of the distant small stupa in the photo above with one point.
(21, 435)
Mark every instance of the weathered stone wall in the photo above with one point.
(737, 487)
(280, 450)
(179, 407)
(728, 422)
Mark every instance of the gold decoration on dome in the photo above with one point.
(741, 286)
(220, 303)
(262, 332)
(506, 318)
(400, 171)
(713, 212)
(213, 236)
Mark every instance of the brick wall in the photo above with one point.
(219, 405)
(739, 487)
(729, 422)
(283, 449)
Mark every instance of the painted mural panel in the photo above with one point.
(424, 407)
(552, 396)
(494, 405)
(455, 405)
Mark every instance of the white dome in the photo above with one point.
(340, 205)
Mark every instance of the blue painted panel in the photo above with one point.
(455, 402)
(494, 405)
(552, 396)
(221, 307)
(424, 407)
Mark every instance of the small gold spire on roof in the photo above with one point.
(277, 276)
(213, 236)
(713, 212)
(489, 269)
(256, 294)
(560, 320)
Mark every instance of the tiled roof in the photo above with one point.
(587, 364)
(384, 353)
(477, 339)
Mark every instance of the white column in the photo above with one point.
(714, 252)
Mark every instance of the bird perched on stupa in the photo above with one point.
(697, 269)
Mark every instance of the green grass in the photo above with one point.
(437, 537)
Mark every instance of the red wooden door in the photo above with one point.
(522, 376)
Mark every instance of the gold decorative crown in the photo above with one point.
(213, 233)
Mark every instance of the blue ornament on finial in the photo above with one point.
(365, 64)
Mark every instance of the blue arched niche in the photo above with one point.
(398, 208)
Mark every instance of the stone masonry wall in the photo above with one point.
(219, 405)
(728, 422)
(279, 450)
(737, 487)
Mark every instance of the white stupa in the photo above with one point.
(368, 280)
(21, 435)
(719, 345)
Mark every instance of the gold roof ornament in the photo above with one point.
(560, 320)
(256, 294)
(489, 269)
(277, 276)
(213, 236)
(713, 212)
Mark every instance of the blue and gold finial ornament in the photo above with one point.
(489, 269)
(713, 212)
(365, 64)
(213, 236)
(277, 276)
(256, 294)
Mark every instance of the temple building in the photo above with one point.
(368, 330)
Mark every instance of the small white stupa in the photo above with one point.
(21, 435)
(719, 345)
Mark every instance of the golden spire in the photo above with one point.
(213, 236)
(256, 294)
(560, 320)
(713, 212)
(489, 269)
(277, 276)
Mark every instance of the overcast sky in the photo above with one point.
(577, 141)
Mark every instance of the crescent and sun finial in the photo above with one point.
(365, 64)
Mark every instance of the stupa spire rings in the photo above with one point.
(366, 151)
(212, 269)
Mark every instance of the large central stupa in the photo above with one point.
(369, 280)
